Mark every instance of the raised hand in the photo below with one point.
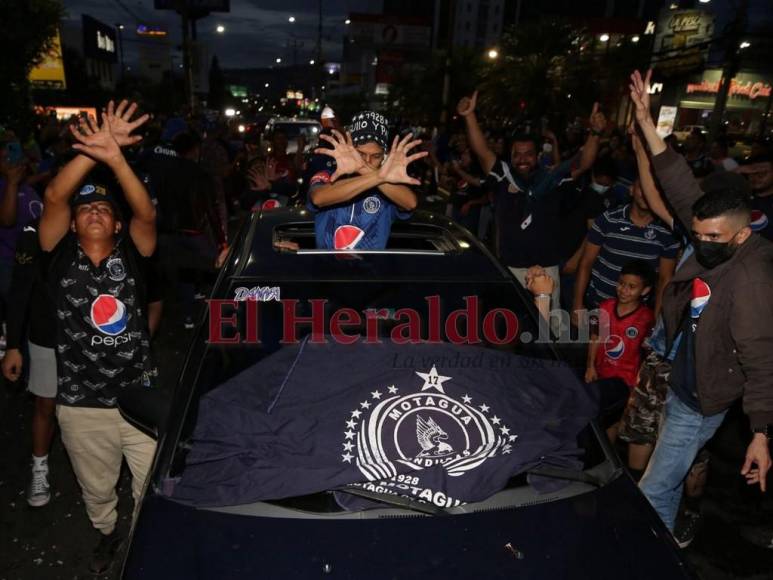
(538, 281)
(466, 105)
(640, 96)
(597, 120)
(395, 167)
(347, 158)
(121, 124)
(99, 143)
(257, 178)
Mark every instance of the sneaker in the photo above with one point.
(38, 493)
(686, 526)
(188, 324)
(105, 552)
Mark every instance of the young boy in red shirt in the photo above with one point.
(624, 322)
(614, 351)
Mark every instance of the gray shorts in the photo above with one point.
(42, 381)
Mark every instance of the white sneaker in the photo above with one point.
(38, 493)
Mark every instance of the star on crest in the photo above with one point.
(467, 399)
(351, 424)
(496, 420)
(348, 457)
(365, 405)
(348, 446)
(376, 394)
(484, 408)
(392, 390)
(356, 413)
(432, 380)
(504, 431)
(349, 434)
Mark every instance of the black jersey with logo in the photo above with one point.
(102, 341)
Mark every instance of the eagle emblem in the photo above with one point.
(431, 438)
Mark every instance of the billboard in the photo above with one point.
(747, 91)
(99, 40)
(49, 73)
(681, 40)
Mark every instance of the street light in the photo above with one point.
(635, 38)
(604, 37)
(744, 44)
(312, 61)
(492, 54)
(704, 1)
(220, 29)
(291, 19)
(266, 85)
(347, 21)
(278, 60)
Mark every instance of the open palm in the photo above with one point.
(99, 143)
(121, 125)
(395, 168)
(347, 158)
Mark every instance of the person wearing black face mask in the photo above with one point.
(710, 253)
(720, 305)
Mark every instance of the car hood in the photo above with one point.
(610, 532)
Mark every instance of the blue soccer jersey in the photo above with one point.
(362, 224)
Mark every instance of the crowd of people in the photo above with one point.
(103, 220)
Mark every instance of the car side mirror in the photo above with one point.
(145, 408)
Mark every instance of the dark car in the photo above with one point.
(224, 502)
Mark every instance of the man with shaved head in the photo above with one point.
(719, 305)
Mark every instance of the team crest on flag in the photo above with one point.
(421, 429)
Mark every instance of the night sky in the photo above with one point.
(257, 31)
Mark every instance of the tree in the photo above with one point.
(27, 29)
(216, 98)
(417, 91)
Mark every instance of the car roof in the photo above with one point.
(426, 247)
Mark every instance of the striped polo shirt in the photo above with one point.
(621, 241)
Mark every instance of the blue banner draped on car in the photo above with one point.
(436, 422)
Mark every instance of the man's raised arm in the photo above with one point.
(680, 187)
(486, 157)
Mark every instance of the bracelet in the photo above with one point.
(542, 295)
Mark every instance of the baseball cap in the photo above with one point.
(370, 126)
(92, 191)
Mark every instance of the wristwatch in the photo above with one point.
(766, 430)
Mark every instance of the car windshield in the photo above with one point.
(239, 363)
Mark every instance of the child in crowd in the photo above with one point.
(624, 322)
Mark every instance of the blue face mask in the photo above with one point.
(598, 188)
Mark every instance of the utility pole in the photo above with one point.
(187, 61)
(732, 64)
(318, 61)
